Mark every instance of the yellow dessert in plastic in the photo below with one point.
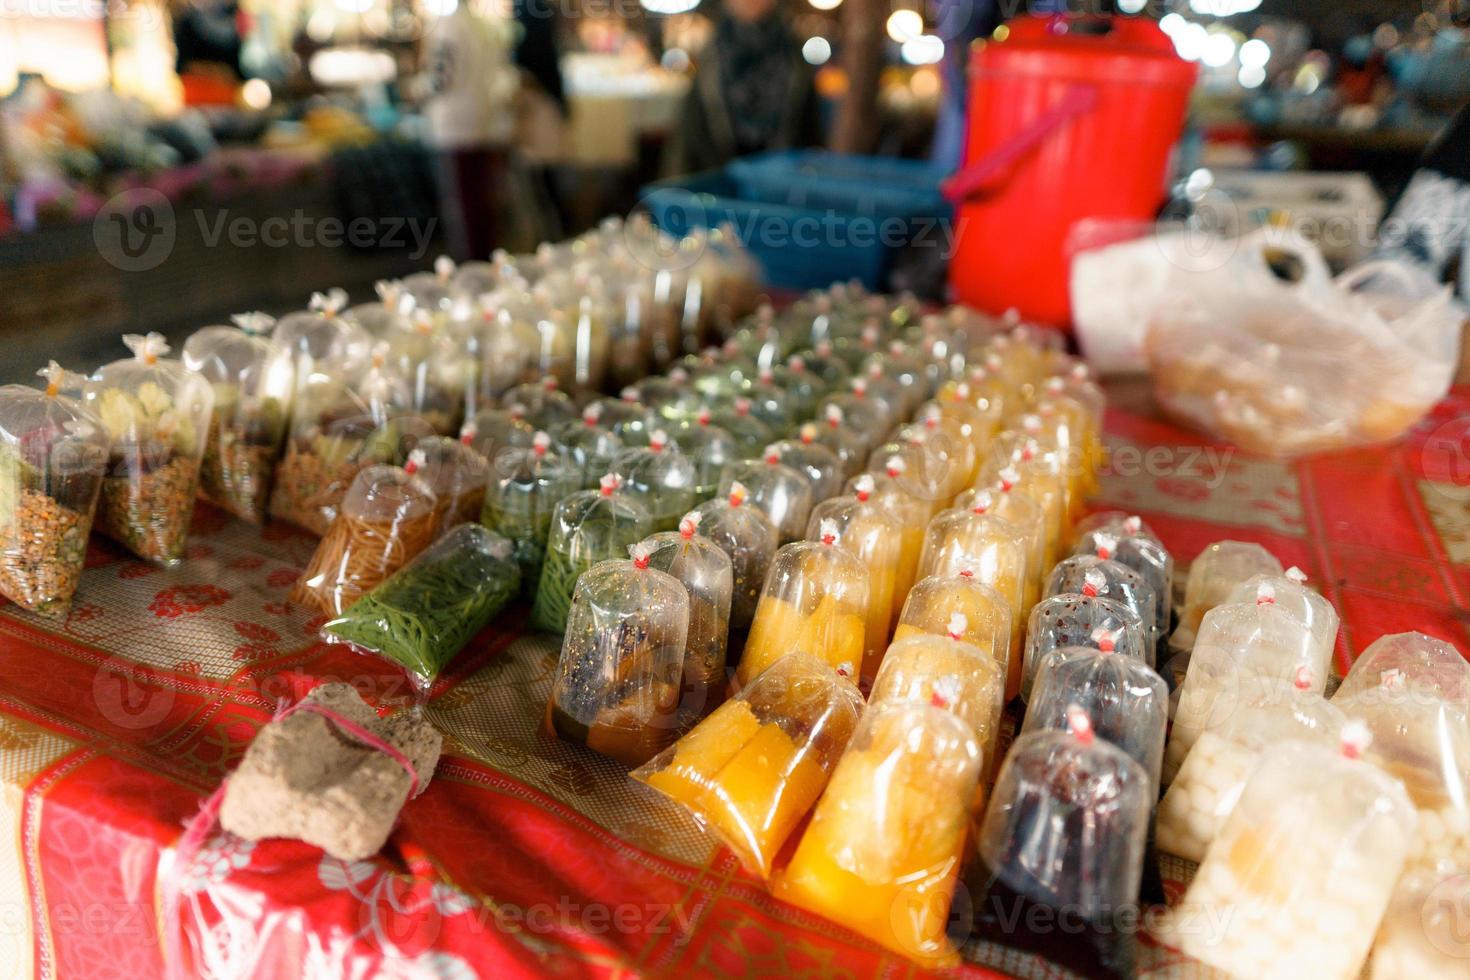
(752, 769)
(815, 600)
(1039, 477)
(884, 847)
(933, 603)
(1011, 504)
(912, 516)
(864, 530)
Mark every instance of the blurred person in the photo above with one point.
(207, 45)
(752, 91)
(541, 116)
(472, 86)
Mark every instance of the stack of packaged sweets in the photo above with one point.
(157, 418)
(912, 516)
(815, 600)
(388, 516)
(706, 573)
(587, 527)
(755, 767)
(253, 380)
(1213, 576)
(525, 486)
(618, 681)
(932, 604)
(53, 454)
(777, 490)
(749, 539)
(867, 532)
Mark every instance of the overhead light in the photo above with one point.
(669, 7)
(926, 49)
(1255, 52)
(1131, 6)
(1172, 24)
(1251, 76)
(256, 94)
(817, 50)
(825, 4)
(1190, 42)
(1219, 50)
(905, 25)
(440, 8)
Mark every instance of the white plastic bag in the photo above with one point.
(1285, 368)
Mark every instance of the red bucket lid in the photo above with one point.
(1098, 49)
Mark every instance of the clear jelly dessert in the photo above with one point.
(1214, 576)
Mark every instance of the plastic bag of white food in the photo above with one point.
(1287, 367)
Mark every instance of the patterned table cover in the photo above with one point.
(527, 856)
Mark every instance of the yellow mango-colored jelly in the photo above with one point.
(912, 516)
(884, 847)
(754, 768)
(815, 600)
(933, 602)
(864, 530)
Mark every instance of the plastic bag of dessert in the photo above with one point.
(749, 539)
(505, 343)
(156, 415)
(883, 850)
(1214, 576)
(1289, 590)
(707, 574)
(710, 447)
(322, 338)
(864, 413)
(850, 448)
(385, 316)
(933, 602)
(911, 515)
(53, 453)
(388, 516)
(430, 290)
(434, 369)
(587, 527)
(751, 434)
(458, 476)
(1285, 368)
(1065, 831)
(543, 402)
(1039, 475)
(1091, 575)
(1079, 620)
(525, 486)
(342, 421)
(815, 600)
(949, 671)
(490, 431)
(865, 530)
(1301, 874)
(1208, 785)
(1423, 931)
(1127, 702)
(1424, 742)
(1242, 647)
(775, 489)
(755, 767)
(253, 381)
(1130, 542)
(618, 680)
(587, 444)
(955, 446)
(659, 477)
(1427, 667)
(422, 615)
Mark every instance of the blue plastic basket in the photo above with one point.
(850, 229)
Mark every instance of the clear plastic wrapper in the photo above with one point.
(865, 530)
(434, 370)
(1427, 667)
(1040, 475)
(1301, 874)
(1289, 590)
(707, 574)
(905, 366)
(385, 316)
(253, 381)
(933, 602)
(803, 387)
(993, 549)
(525, 487)
(749, 539)
(505, 345)
(954, 447)
(618, 680)
(1422, 934)
(777, 490)
(545, 404)
(491, 431)
(458, 477)
(53, 453)
(883, 851)
(659, 477)
(1424, 742)
(912, 516)
(711, 449)
(1065, 830)
(157, 417)
(1127, 703)
(864, 414)
(1091, 575)
(388, 516)
(321, 339)
(755, 767)
(1208, 785)
(751, 434)
(823, 362)
(1242, 647)
(848, 446)
(1080, 620)
(770, 405)
(947, 671)
(341, 423)
(1012, 504)
(815, 600)
(588, 444)
(422, 615)
(586, 527)
(1214, 576)
(1128, 541)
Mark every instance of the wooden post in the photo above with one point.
(856, 129)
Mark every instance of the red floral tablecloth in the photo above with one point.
(528, 856)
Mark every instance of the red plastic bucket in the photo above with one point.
(1070, 118)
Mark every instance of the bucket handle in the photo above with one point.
(984, 174)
